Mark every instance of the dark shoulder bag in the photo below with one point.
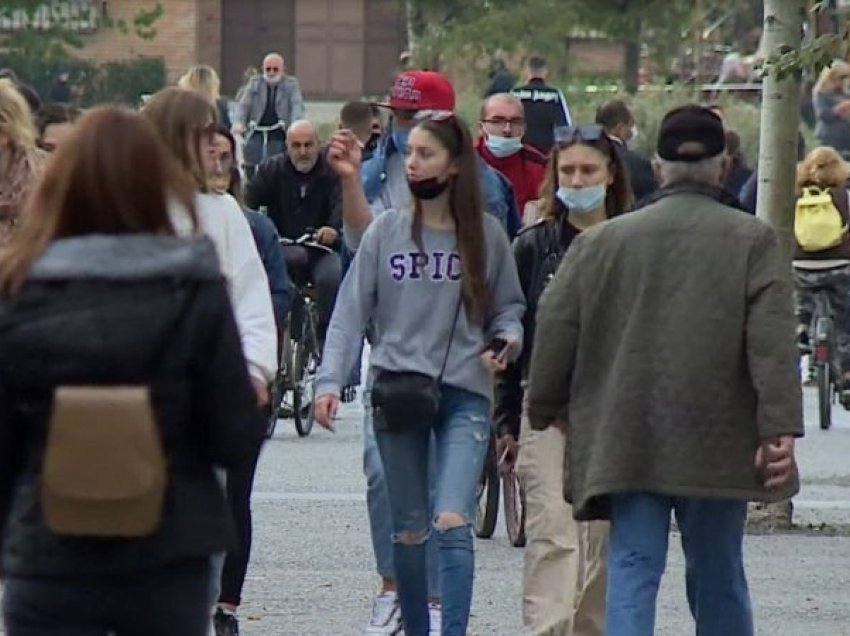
(404, 401)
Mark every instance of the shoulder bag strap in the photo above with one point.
(451, 335)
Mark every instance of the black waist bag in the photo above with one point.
(405, 401)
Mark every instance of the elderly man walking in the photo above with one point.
(665, 346)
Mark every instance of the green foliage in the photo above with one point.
(474, 31)
(36, 53)
(125, 82)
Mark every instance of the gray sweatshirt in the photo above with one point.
(412, 301)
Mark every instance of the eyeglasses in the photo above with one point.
(571, 134)
(272, 69)
(501, 122)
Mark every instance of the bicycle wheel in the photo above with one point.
(306, 365)
(824, 383)
(277, 391)
(513, 502)
(487, 495)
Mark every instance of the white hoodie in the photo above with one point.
(221, 219)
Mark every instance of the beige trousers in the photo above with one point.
(565, 569)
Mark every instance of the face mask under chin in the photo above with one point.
(219, 183)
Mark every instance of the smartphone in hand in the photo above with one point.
(499, 347)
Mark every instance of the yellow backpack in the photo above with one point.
(818, 225)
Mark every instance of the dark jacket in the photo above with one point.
(545, 109)
(296, 201)
(665, 340)
(111, 310)
(538, 251)
(641, 177)
(268, 245)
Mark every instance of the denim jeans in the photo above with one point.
(461, 435)
(712, 539)
(378, 503)
(170, 600)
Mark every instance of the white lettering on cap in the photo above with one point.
(405, 89)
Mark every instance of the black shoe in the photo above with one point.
(225, 623)
(844, 396)
(349, 394)
(803, 342)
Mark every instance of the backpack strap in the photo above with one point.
(840, 198)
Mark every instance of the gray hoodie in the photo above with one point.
(412, 300)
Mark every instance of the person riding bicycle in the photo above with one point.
(302, 195)
(268, 106)
(827, 269)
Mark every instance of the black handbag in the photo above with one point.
(408, 400)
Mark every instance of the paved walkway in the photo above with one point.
(312, 571)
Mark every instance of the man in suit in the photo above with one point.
(271, 101)
(617, 119)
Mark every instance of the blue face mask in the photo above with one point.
(582, 200)
(503, 146)
(400, 140)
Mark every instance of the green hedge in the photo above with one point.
(113, 82)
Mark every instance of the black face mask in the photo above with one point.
(427, 189)
(373, 142)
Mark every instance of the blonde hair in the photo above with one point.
(202, 79)
(828, 79)
(16, 119)
(823, 167)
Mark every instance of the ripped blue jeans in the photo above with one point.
(462, 435)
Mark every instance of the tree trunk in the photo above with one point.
(780, 120)
(631, 67)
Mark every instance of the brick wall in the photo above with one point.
(176, 35)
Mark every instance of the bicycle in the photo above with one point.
(824, 357)
(250, 151)
(293, 388)
(494, 474)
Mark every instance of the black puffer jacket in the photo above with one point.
(108, 310)
(538, 251)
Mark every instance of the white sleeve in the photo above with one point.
(248, 286)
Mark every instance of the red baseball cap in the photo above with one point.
(421, 90)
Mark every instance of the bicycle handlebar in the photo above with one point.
(305, 240)
(255, 127)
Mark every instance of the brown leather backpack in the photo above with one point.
(104, 472)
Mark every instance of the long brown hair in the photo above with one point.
(181, 117)
(618, 197)
(94, 185)
(467, 210)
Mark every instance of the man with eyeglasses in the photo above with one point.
(272, 100)
(502, 126)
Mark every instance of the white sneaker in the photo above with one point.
(435, 615)
(386, 615)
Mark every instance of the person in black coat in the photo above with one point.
(99, 291)
(617, 119)
(302, 194)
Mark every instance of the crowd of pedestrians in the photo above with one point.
(619, 324)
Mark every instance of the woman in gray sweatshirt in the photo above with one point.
(440, 286)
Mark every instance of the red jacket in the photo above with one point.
(526, 171)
